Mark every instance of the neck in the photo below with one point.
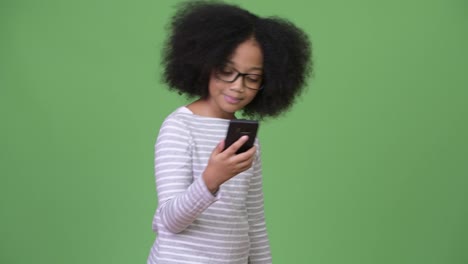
(203, 107)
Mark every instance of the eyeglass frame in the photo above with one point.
(216, 72)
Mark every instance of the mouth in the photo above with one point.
(232, 100)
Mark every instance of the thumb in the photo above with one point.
(219, 148)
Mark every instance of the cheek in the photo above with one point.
(213, 87)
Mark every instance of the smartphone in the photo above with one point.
(238, 128)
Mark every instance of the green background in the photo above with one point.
(370, 166)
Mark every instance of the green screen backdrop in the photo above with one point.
(370, 166)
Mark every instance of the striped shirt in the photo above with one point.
(192, 224)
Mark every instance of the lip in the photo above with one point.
(231, 99)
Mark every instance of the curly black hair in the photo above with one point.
(204, 35)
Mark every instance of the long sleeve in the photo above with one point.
(193, 225)
(181, 196)
(259, 243)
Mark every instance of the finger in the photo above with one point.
(237, 145)
(241, 160)
(219, 148)
(250, 153)
(245, 165)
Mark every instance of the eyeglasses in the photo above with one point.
(249, 80)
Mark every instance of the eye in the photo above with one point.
(253, 78)
(226, 70)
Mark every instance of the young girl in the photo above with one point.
(210, 201)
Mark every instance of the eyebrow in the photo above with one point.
(253, 68)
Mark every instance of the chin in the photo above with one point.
(230, 110)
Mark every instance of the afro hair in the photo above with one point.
(204, 34)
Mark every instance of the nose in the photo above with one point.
(238, 84)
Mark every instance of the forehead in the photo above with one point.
(247, 56)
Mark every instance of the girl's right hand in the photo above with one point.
(223, 165)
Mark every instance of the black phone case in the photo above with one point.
(238, 128)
